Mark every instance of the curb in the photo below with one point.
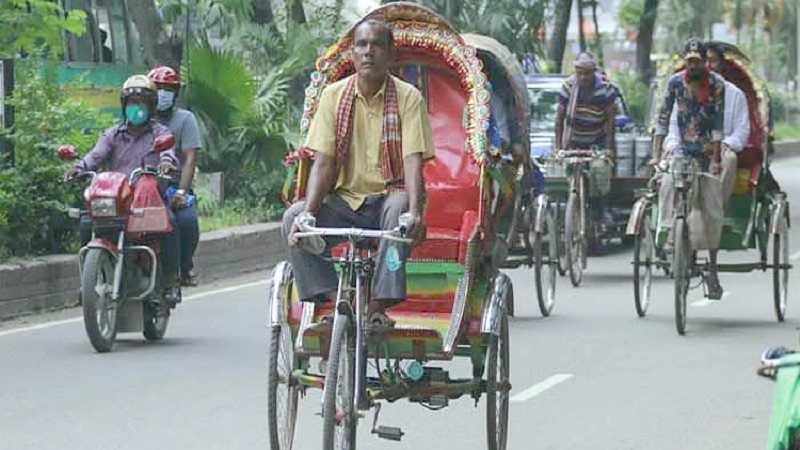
(51, 282)
(786, 149)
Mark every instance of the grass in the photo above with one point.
(786, 130)
(234, 216)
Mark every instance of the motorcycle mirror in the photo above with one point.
(163, 142)
(67, 153)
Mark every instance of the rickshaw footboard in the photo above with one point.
(423, 391)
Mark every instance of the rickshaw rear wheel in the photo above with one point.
(780, 276)
(546, 274)
(282, 395)
(574, 245)
(644, 259)
(338, 411)
(680, 268)
(498, 386)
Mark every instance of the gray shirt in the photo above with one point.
(120, 151)
(184, 126)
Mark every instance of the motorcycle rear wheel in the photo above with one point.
(155, 324)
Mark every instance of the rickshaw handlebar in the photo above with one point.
(395, 234)
(579, 156)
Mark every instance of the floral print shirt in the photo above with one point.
(701, 119)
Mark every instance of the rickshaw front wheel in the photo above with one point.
(681, 271)
(498, 386)
(574, 245)
(338, 410)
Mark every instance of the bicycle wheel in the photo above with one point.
(282, 394)
(681, 271)
(546, 272)
(497, 388)
(644, 258)
(573, 240)
(780, 271)
(338, 409)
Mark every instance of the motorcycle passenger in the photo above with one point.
(699, 96)
(367, 169)
(183, 125)
(123, 148)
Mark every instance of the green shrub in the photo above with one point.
(33, 197)
(635, 93)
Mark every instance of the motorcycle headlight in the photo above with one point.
(104, 207)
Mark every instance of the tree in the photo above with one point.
(558, 41)
(295, 11)
(644, 40)
(160, 48)
(262, 12)
(28, 26)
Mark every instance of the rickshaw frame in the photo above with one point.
(467, 282)
(751, 218)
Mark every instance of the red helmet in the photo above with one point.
(165, 75)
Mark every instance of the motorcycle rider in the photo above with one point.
(183, 125)
(126, 147)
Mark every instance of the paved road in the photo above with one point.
(625, 383)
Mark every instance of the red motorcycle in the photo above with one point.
(120, 267)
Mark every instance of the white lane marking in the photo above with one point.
(197, 296)
(541, 387)
(795, 256)
(706, 302)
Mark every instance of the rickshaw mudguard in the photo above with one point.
(785, 418)
(280, 286)
(637, 214)
(541, 210)
(779, 218)
(495, 305)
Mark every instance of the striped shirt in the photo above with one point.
(588, 122)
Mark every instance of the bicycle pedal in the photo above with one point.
(389, 433)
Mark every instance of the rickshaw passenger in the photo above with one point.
(370, 136)
(699, 97)
(586, 115)
(737, 133)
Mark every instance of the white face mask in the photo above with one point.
(166, 100)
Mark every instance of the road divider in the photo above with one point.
(541, 387)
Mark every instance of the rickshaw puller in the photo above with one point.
(370, 136)
(737, 130)
(586, 115)
(699, 96)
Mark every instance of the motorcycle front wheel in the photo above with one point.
(99, 310)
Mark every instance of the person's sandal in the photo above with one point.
(189, 280)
